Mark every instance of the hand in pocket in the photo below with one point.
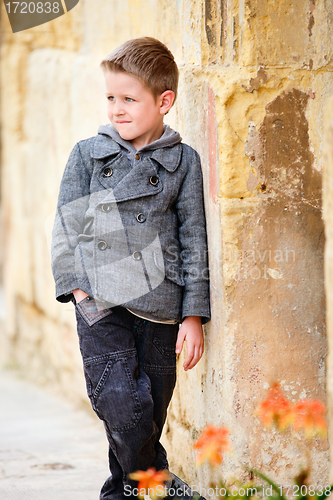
(79, 295)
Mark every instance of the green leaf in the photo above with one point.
(224, 486)
(324, 495)
(270, 482)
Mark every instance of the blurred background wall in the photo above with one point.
(255, 79)
(328, 216)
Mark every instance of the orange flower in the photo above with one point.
(276, 409)
(310, 416)
(213, 442)
(151, 482)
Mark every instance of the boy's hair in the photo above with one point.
(149, 60)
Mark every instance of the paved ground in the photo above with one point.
(48, 450)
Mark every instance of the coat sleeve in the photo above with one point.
(193, 240)
(69, 222)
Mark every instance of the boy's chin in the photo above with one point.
(124, 135)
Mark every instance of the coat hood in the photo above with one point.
(169, 138)
(167, 150)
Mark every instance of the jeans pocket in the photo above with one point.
(89, 311)
(162, 357)
(112, 388)
(165, 338)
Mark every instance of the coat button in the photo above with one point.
(102, 245)
(106, 207)
(154, 180)
(141, 218)
(137, 256)
(137, 157)
(107, 172)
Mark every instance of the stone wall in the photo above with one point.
(255, 79)
(328, 216)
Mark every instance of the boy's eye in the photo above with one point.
(110, 98)
(129, 99)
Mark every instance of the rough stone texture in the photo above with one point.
(328, 216)
(255, 79)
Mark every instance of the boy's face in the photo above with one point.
(133, 110)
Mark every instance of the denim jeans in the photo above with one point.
(130, 371)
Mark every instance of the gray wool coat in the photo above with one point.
(133, 235)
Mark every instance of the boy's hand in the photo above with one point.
(79, 295)
(191, 331)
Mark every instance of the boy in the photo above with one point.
(129, 249)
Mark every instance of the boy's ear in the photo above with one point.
(166, 101)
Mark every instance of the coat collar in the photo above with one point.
(168, 157)
(104, 146)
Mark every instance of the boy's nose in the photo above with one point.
(118, 108)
